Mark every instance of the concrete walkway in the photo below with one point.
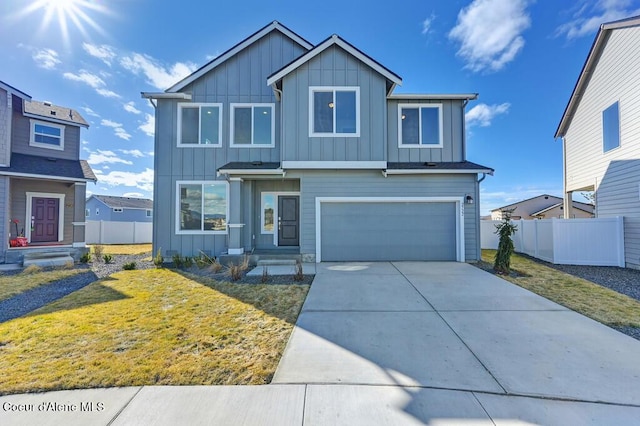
(398, 343)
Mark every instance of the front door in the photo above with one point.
(44, 219)
(288, 220)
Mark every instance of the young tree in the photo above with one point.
(505, 230)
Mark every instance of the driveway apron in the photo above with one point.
(446, 325)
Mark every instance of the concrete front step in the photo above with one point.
(273, 262)
(47, 258)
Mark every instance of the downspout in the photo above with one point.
(152, 104)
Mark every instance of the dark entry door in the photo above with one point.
(288, 220)
(45, 215)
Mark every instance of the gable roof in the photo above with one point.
(274, 26)
(54, 113)
(124, 202)
(336, 40)
(49, 168)
(10, 89)
(588, 208)
(524, 201)
(587, 69)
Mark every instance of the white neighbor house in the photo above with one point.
(600, 130)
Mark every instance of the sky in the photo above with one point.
(522, 57)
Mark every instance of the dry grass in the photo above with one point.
(150, 327)
(29, 278)
(124, 248)
(599, 303)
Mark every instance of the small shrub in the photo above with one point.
(85, 258)
(245, 263)
(129, 266)
(97, 251)
(265, 275)
(234, 271)
(203, 260)
(178, 262)
(67, 265)
(215, 267)
(298, 275)
(158, 260)
(502, 262)
(188, 262)
(107, 258)
(31, 269)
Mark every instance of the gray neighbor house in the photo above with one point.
(280, 145)
(119, 209)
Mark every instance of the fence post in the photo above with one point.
(134, 233)
(101, 233)
(620, 240)
(554, 247)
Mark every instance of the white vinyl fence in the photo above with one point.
(102, 232)
(596, 242)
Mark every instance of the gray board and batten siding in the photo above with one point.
(333, 67)
(239, 79)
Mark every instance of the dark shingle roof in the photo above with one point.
(54, 112)
(125, 202)
(250, 165)
(49, 167)
(453, 166)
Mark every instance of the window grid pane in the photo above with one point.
(242, 126)
(190, 207)
(215, 208)
(323, 112)
(209, 125)
(189, 130)
(262, 125)
(611, 127)
(267, 213)
(345, 106)
(430, 126)
(410, 126)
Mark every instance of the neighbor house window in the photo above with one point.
(87, 212)
(268, 209)
(420, 125)
(117, 209)
(149, 213)
(611, 128)
(202, 207)
(46, 135)
(97, 211)
(199, 125)
(334, 111)
(252, 125)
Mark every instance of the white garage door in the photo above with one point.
(388, 231)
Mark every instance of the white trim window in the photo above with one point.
(199, 125)
(46, 135)
(611, 127)
(252, 125)
(420, 126)
(87, 212)
(202, 207)
(149, 213)
(97, 211)
(334, 111)
(268, 208)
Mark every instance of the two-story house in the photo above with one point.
(42, 180)
(280, 144)
(600, 130)
(119, 209)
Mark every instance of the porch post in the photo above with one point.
(568, 205)
(79, 200)
(235, 216)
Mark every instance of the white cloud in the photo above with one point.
(133, 152)
(131, 107)
(118, 130)
(149, 126)
(157, 75)
(150, 153)
(91, 80)
(104, 53)
(482, 114)
(100, 157)
(46, 58)
(587, 20)
(142, 180)
(489, 33)
(89, 193)
(426, 24)
(108, 93)
(133, 194)
(90, 112)
(84, 142)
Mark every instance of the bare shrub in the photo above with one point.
(298, 275)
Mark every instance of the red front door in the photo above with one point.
(44, 218)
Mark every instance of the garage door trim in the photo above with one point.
(457, 200)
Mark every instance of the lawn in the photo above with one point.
(150, 327)
(599, 303)
(123, 248)
(11, 285)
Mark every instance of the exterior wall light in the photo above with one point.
(468, 199)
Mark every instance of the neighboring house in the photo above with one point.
(600, 130)
(119, 209)
(280, 144)
(42, 179)
(542, 207)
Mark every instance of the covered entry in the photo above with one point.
(389, 229)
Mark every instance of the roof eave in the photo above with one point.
(165, 95)
(10, 89)
(55, 120)
(437, 171)
(434, 96)
(48, 177)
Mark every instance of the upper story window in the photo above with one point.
(252, 125)
(202, 207)
(199, 125)
(420, 126)
(117, 209)
(334, 111)
(611, 128)
(47, 135)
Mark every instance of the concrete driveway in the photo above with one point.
(448, 339)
